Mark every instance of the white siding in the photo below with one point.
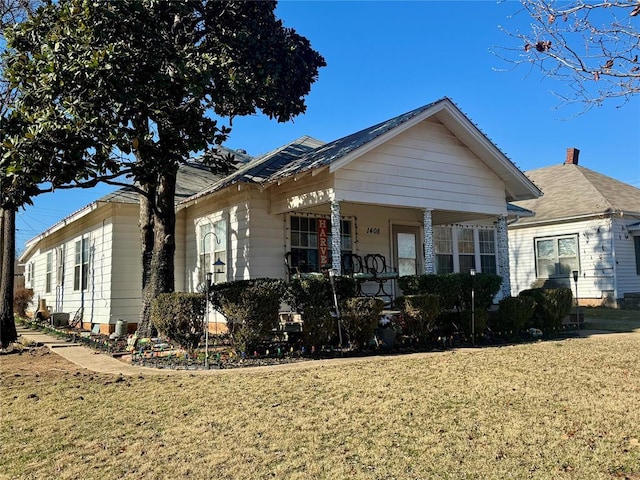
(596, 256)
(265, 257)
(426, 166)
(98, 229)
(232, 207)
(628, 280)
(127, 265)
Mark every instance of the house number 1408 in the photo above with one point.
(373, 230)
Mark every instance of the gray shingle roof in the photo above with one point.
(307, 153)
(575, 191)
(193, 177)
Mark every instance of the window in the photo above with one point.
(462, 248)
(213, 247)
(311, 242)
(636, 241)
(220, 251)
(556, 256)
(30, 274)
(444, 249)
(204, 265)
(48, 273)
(81, 265)
(60, 266)
(487, 242)
(466, 249)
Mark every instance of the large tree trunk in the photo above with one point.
(8, 331)
(157, 227)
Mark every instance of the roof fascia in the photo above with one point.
(83, 212)
(494, 152)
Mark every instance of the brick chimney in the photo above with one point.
(572, 156)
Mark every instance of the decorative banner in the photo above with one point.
(323, 244)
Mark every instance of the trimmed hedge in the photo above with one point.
(420, 314)
(360, 318)
(552, 306)
(514, 313)
(180, 316)
(313, 299)
(251, 308)
(454, 289)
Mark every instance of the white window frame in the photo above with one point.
(220, 251)
(48, 275)
(454, 238)
(60, 266)
(556, 239)
(313, 242)
(204, 254)
(81, 265)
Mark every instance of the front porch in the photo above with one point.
(377, 244)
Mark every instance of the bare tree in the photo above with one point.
(591, 47)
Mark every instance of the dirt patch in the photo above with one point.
(33, 360)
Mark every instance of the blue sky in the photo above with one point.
(386, 58)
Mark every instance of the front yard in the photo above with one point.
(553, 409)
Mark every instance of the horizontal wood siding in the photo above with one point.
(97, 227)
(179, 260)
(628, 280)
(426, 166)
(265, 257)
(306, 192)
(127, 266)
(232, 206)
(596, 256)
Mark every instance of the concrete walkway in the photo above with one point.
(95, 361)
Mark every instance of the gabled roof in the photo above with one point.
(192, 178)
(261, 169)
(307, 153)
(572, 191)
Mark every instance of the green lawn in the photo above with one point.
(546, 410)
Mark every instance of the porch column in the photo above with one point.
(429, 254)
(503, 256)
(336, 238)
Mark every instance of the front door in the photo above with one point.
(405, 249)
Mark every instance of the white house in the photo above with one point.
(89, 264)
(427, 190)
(585, 222)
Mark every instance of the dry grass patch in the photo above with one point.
(546, 410)
(611, 319)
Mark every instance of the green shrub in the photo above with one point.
(313, 299)
(552, 306)
(22, 298)
(514, 313)
(251, 308)
(454, 289)
(360, 317)
(478, 320)
(420, 314)
(180, 316)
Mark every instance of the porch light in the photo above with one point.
(218, 264)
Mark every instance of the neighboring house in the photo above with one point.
(585, 222)
(427, 190)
